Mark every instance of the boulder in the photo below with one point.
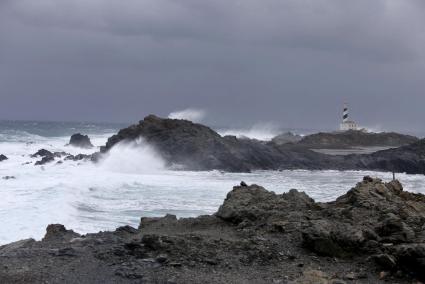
(42, 153)
(58, 232)
(45, 160)
(80, 141)
(256, 204)
(3, 158)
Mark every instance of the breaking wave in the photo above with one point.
(133, 157)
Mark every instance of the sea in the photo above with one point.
(130, 183)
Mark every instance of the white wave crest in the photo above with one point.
(260, 131)
(133, 157)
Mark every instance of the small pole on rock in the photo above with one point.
(393, 175)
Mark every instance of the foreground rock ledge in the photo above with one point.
(374, 233)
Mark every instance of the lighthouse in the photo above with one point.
(347, 124)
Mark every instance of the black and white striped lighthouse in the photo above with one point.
(345, 114)
(346, 123)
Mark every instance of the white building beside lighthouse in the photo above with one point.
(347, 124)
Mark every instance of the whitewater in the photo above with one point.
(131, 182)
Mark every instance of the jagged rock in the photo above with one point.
(13, 247)
(78, 157)
(411, 257)
(285, 138)
(42, 153)
(375, 226)
(329, 239)
(8, 177)
(255, 203)
(193, 146)
(45, 153)
(162, 221)
(385, 261)
(198, 147)
(58, 232)
(45, 160)
(3, 158)
(81, 141)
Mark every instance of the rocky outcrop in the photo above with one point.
(48, 157)
(45, 160)
(285, 138)
(409, 159)
(372, 234)
(3, 158)
(80, 141)
(353, 138)
(197, 147)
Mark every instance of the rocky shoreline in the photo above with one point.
(197, 147)
(374, 233)
(185, 145)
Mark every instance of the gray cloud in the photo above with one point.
(292, 62)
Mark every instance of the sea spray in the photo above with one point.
(136, 157)
(260, 131)
(195, 115)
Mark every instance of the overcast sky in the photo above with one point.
(292, 62)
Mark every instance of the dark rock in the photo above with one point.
(352, 138)
(58, 232)
(42, 153)
(411, 257)
(3, 158)
(385, 261)
(127, 229)
(153, 242)
(78, 157)
(243, 183)
(197, 147)
(394, 230)
(330, 239)
(256, 236)
(255, 203)
(192, 146)
(162, 258)
(158, 221)
(81, 141)
(285, 138)
(8, 177)
(19, 245)
(45, 160)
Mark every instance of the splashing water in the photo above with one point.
(129, 183)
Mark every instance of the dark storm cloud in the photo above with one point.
(293, 62)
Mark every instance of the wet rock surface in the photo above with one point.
(372, 234)
(81, 141)
(49, 157)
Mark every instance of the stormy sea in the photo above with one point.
(128, 183)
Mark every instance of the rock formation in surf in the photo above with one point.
(197, 147)
(353, 138)
(3, 158)
(80, 141)
(372, 234)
